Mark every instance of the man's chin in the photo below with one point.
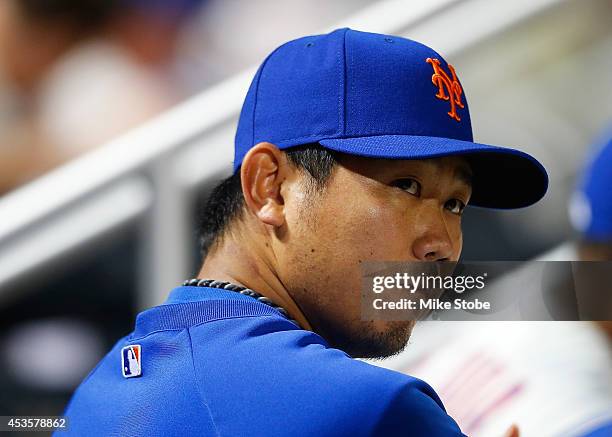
(378, 339)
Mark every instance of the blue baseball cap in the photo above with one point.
(591, 205)
(378, 96)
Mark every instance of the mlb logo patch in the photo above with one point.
(131, 361)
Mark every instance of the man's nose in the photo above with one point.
(433, 242)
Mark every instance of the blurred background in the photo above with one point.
(118, 116)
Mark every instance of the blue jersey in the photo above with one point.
(212, 362)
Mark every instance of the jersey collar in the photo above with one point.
(187, 306)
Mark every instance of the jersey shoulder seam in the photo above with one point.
(197, 381)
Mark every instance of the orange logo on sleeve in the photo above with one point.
(446, 85)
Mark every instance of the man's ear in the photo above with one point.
(263, 170)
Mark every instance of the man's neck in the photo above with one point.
(245, 266)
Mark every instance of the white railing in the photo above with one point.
(153, 172)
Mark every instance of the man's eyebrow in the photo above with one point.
(465, 175)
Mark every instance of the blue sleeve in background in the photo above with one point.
(603, 431)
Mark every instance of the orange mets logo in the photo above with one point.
(446, 85)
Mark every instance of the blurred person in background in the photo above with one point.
(551, 378)
(76, 73)
(591, 205)
(591, 209)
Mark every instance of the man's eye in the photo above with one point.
(409, 185)
(455, 206)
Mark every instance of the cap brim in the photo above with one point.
(503, 178)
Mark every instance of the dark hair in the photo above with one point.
(81, 15)
(226, 202)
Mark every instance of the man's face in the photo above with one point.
(371, 209)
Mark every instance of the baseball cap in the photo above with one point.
(378, 96)
(590, 207)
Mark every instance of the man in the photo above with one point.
(351, 146)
